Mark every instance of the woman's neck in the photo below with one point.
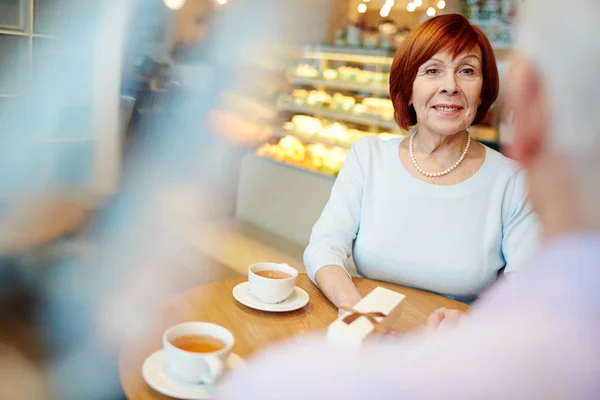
(441, 147)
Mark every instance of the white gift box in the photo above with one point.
(349, 332)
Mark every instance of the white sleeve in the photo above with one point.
(333, 235)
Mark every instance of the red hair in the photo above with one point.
(451, 32)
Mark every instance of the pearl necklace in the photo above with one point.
(436, 174)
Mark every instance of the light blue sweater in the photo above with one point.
(446, 239)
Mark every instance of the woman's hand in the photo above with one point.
(337, 286)
(443, 318)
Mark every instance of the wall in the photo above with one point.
(338, 15)
(315, 12)
(107, 84)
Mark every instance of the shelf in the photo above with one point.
(314, 139)
(311, 139)
(356, 55)
(340, 85)
(297, 166)
(340, 116)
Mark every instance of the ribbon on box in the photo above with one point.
(354, 315)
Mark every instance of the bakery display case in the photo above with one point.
(337, 97)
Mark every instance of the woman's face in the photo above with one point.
(447, 92)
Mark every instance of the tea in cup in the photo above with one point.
(272, 283)
(197, 352)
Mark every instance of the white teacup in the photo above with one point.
(194, 366)
(268, 287)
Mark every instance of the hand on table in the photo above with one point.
(443, 318)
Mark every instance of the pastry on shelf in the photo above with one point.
(288, 126)
(343, 103)
(288, 148)
(271, 151)
(330, 74)
(380, 78)
(317, 156)
(333, 161)
(381, 108)
(306, 71)
(335, 132)
(299, 96)
(293, 147)
(306, 125)
(317, 153)
(326, 160)
(363, 76)
(332, 133)
(359, 109)
(348, 73)
(318, 98)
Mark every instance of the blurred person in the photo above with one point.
(194, 48)
(535, 335)
(173, 184)
(437, 211)
(140, 253)
(47, 157)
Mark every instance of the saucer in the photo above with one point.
(158, 379)
(297, 300)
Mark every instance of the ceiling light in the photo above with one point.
(418, 3)
(174, 4)
(441, 4)
(411, 7)
(431, 11)
(362, 8)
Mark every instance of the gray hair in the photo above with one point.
(561, 38)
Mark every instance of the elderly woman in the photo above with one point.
(436, 211)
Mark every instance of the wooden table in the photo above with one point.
(253, 329)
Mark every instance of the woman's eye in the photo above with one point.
(468, 71)
(431, 71)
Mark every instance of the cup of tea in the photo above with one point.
(272, 282)
(197, 352)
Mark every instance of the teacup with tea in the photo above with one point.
(272, 282)
(197, 352)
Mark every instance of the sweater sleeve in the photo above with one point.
(520, 225)
(333, 235)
